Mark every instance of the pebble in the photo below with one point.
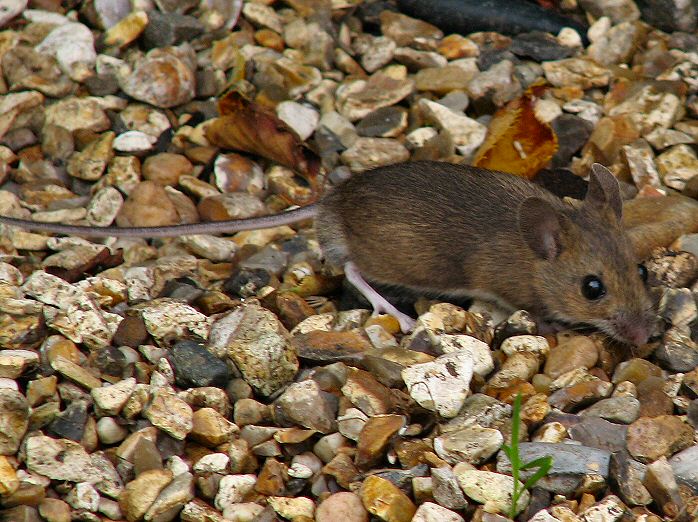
(140, 494)
(467, 133)
(10, 9)
(441, 385)
(491, 489)
(343, 505)
(384, 500)
(72, 45)
(301, 118)
(430, 512)
(171, 414)
(651, 438)
(162, 78)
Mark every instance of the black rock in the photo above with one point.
(667, 16)
(246, 282)
(109, 360)
(539, 47)
(182, 288)
(70, 423)
(490, 57)
(195, 366)
(502, 16)
(572, 134)
(170, 29)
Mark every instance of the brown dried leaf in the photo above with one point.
(247, 126)
(517, 141)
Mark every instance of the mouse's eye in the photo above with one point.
(642, 270)
(593, 288)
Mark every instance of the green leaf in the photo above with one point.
(545, 466)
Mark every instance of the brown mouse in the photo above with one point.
(460, 231)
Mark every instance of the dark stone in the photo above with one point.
(692, 413)
(402, 478)
(268, 259)
(195, 366)
(539, 46)
(519, 323)
(246, 282)
(70, 423)
(206, 84)
(109, 360)
(102, 84)
(627, 475)
(490, 57)
(596, 432)
(326, 141)
(540, 499)
(170, 29)
(665, 15)
(130, 332)
(182, 288)
(571, 464)
(562, 182)
(572, 134)
(381, 122)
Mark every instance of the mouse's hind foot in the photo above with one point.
(378, 302)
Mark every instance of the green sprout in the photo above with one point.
(512, 451)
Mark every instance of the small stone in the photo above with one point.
(683, 464)
(467, 133)
(617, 10)
(72, 45)
(293, 508)
(70, 423)
(10, 9)
(441, 385)
(661, 484)
(233, 489)
(540, 47)
(628, 474)
(366, 393)
(263, 16)
(170, 500)
(142, 491)
(304, 403)
(651, 438)
(196, 366)
(171, 414)
(83, 496)
(301, 118)
(170, 29)
(147, 205)
(77, 114)
(361, 97)
(210, 428)
(379, 53)
(387, 122)
(384, 500)
(498, 82)
(492, 489)
(60, 460)
(54, 510)
(576, 352)
(677, 165)
(254, 339)
(375, 437)
(405, 30)
(445, 489)
(473, 444)
(443, 80)
(615, 409)
(75, 373)
(110, 431)
(368, 153)
(430, 512)
(162, 78)
(343, 506)
(580, 72)
(127, 29)
(610, 508)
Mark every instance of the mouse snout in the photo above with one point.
(635, 329)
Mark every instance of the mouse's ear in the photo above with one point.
(540, 225)
(603, 190)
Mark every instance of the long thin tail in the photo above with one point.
(212, 227)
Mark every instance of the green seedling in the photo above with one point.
(512, 451)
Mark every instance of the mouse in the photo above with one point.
(459, 231)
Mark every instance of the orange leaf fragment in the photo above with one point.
(250, 127)
(517, 141)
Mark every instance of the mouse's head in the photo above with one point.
(586, 271)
